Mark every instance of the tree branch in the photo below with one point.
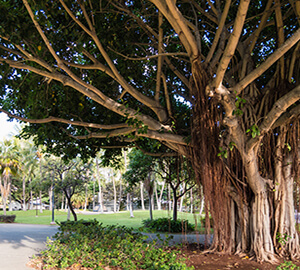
(167, 154)
(280, 106)
(232, 43)
(173, 138)
(151, 103)
(287, 116)
(104, 135)
(64, 121)
(194, 52)
(106, 102)
(269, 62)
(219, 31)
(160, 59)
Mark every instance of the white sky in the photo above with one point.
(7, 128)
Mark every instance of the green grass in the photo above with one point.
(121, 218)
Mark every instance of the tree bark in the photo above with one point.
(115, 192)
(100, 196)
(41, 204)
(24, 193)
(285, 236)
(150, 206)
(175, 199)
(70, 207)
(142, 195)
(130, 205)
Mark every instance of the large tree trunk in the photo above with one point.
(260, 226)
(285, 236)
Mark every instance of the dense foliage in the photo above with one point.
(91, 245)
(168, 225)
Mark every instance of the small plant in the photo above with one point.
(287, 265)
(168, 225)
(282, 238)
(254, 130)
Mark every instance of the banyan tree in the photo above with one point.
(215, 81)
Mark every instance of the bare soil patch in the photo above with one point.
(211, 261)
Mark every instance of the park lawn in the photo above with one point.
(121, 218)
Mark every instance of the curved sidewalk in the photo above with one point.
(18, 242)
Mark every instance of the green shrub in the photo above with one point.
(94, 246)
(168, 225)
(287, 265)
(7, 219)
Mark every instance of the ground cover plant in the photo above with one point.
(92, 245)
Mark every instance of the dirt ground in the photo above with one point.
(208, 261)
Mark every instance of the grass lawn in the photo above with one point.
(121, 218)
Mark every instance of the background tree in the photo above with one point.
(69, 178)
(200, 77)
(9, 166)
(176, 172)
(28, 159)
(140, 169)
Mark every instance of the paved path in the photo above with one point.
(18, 242)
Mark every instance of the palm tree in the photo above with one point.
(9, 166)
(28, 158)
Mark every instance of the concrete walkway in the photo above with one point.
(18, 242)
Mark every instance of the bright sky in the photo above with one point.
(7, 128)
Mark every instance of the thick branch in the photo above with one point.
(64, 121)
(261, 26)
(168, 137)
(269, 62)
(194, 53)
(280, 33)
(160, 59)
(166, 154)
(103, 135)
(172, 138)
(280, 106)
(105, 101)
(287, 116)
(219, 31)
(233, 41)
